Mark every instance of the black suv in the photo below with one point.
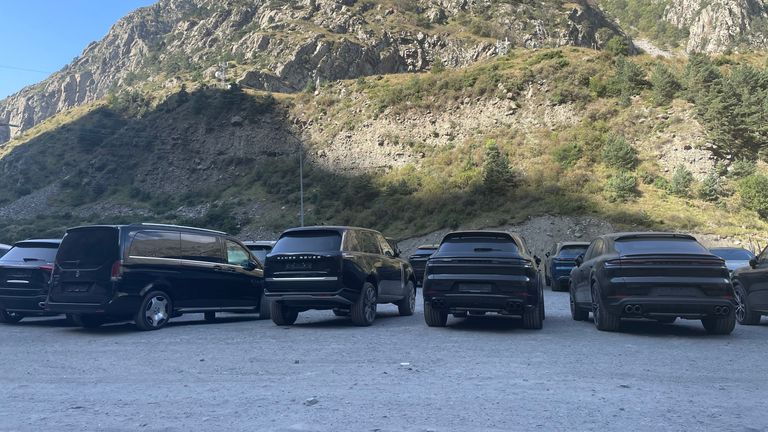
(24, 274)
(150, 273)
(750, 285)
(419, 259)
(348, 270)
(475, 272)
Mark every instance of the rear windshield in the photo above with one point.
(572, 251)
(734, 254)
(88, 248)
(657, 245)
(32, 252)
(260, 252)
(478, 245)
(426, 249)
(312, 241)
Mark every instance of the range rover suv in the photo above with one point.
(150, 273)
(347, 270)
(476, 272)
(24, 275)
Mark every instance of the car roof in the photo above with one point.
(259, 242)
(147, 225)
(729, 248)
(429, 246)
(5, 246)
(571, 243)
(647, 234)
(338, 228)
(28, 241)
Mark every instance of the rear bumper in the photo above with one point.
(27, 304)
(660, 307)
(325, 295)
(118, 306)
(507, 304)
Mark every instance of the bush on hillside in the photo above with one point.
(754, 194)
(621, 187)
(628, 80)
(619, 154)
(665, 85)
(567, 155)
(681, 182)
(711, 189)
(498, 175)
(742, 168)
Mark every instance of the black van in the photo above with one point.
(150, 273)
(345, 269)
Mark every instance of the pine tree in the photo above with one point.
(497, 173)
(665, 85)
(681, 182)
(710, 188)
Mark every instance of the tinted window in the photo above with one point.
(659, 245)
(201, 247)
(571, 251)
(350, 242)
(31, 252)
(733, 254)
(236, 255)
(369, 243)
(89, 248)
(308, 241)
(478, 245)
(385, 246)
(590, 253)
(260, 252)
(156, 244)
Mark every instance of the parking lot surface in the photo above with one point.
(323, 374)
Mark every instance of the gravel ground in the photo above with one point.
(482, 374)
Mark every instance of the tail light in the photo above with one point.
(46, 268)
(117, 271)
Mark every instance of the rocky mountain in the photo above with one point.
(284, 46)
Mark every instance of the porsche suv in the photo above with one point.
(659, 276)
(478, 272)
(344, 269)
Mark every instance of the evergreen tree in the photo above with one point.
(497, 173)
(619, 154)
(665, 85)
(681, 182)
(710, 188)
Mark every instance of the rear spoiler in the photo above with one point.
(498, 235)
(655, 235)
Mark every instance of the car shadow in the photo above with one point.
(127, 327)
(655, 329)
(487, 323)
(54, 321)
(343, 321)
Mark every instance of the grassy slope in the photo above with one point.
(445, 188)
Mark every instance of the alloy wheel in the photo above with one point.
(370, 304)
(741, 308)
(595, 306)
(156, 312)
(412, 299)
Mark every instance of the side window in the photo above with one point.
(155, 244)
(236, 255)
(763, 257)
(200, 247)
(368, 242)
(590, 253)
(384, 245)
(599, 249)
(351, 241)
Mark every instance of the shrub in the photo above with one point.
(665, 85)
(710, 189)
(619, 154)
(628, 80)
(742, 168)
(621, 187)
(618, 46)
(497, 173)
(681, 182)
(567, 154)
(754, 194)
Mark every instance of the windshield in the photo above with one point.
(733, 254)
(310, 241)
(35, 252)
(572, 251)
(659, 245)
(478, 245)
(88, 247)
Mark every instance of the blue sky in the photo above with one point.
(38, 37)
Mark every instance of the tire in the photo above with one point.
(88, 321)
(605, 320)
(549, 282)
(577, 313)
(210, 316)
(719, 326)
(340, 312)
(669, 320)
(363, 311)
(407, 306)
(265, 311)
(532, 318)
(155, 311)
(744, 314)
(10, 317)
(434, 317)
(282, 315)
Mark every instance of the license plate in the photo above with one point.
(76, 288)
(298, 266)
(677, 292)
(475, 288)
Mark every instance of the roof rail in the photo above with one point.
(181, 226)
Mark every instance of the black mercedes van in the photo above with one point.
(150, 273)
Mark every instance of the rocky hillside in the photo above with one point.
(284, 46)
(704, 26)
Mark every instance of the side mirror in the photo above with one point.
(537, 259)
(389, 254)
(250, 266)
(546, 254)
(579, 260)
(753, 262)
